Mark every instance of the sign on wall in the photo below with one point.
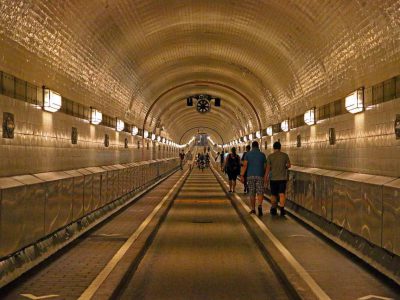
(8, 125)
(397, 127)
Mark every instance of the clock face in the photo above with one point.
(203, 106)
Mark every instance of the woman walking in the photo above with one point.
(232, 167)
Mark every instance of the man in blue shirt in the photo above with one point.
(254, 163)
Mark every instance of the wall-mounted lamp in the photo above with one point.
(51, 100)
(153, 136)
(95, 116)
(135, 130)
(120, 125)
(269, 130)
(355, 101)
(159, 139)
(285, 126)
(250, 137)
(245, 139)
(258, 134)
(145, 134)
(309, 116)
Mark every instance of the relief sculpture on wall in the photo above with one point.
(74, 136)
(397, 127)
(8, 125)
(106, 140)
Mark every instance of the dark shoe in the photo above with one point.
(252, 212)
(282, 211)
(260, 212)
(230, 191)
(273, 211)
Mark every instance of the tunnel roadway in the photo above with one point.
(201, 250)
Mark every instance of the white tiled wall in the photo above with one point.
(42, 142)
(365, 142)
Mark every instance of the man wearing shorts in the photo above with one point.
(254, 164)
(278, 164)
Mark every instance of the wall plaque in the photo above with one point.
(298, 141)
(74, 135)
(106, 140)
(332, 136)
(126, 142)
(397, 127)
(8, 125)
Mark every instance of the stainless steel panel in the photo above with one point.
(96, 195)
(58, 206)
(371, 218)
(309, 188)
(21, 215)
(340, 199)
(391, 217)
(87, 191)
(104, 194)
(77, 194)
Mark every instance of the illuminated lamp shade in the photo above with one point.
(309, 116)
(269, 130)
(245, 139)
(153, 136)
(258, 134)
(120, 125)
(159, 139)
(145, 134)
(163, 140)
(250, 137)
(135, 130)
(52, 100)
(285, 126)
(95, 116)
(355, 101)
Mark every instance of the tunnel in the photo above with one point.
(121, 124)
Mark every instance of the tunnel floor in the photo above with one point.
(202, 250)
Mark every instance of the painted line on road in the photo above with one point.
(317, 290)
(102, 276)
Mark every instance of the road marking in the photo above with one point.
(94, 286)
(317, 290)
(31, 296)
(374, 297)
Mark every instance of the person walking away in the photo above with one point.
(189, 159)
(217, 157)
(232, 166)
(278, 164)
(222, 160)
(182, 157)
(254, 164)
(246, 189)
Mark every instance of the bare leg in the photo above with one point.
(233, 185)
(260, 199)
(282, 200)
(253, 202)
(273, 200)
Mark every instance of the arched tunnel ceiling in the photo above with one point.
(122, 55)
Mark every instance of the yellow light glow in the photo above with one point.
(309, 116)
(52, 101)
(96, 117)
(355, 101)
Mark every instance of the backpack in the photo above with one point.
(233, 164)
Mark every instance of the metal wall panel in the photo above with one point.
(391, 217)
(58, 206)
(87, 190)
(22, 214)
(77, 194)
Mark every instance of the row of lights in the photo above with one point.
(354, 103)
(53, 101)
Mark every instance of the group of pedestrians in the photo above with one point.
(256, 171)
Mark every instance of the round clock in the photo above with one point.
(203, 106)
